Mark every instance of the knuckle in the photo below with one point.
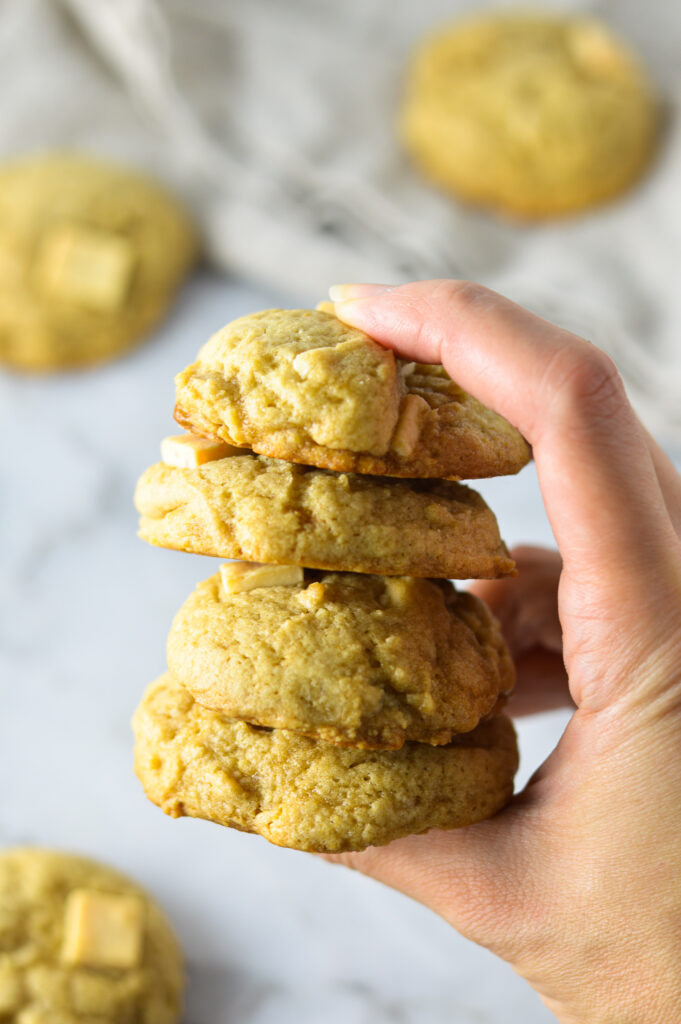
(460, 296)
(584, 378)
(444, 305)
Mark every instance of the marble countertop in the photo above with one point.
(270, 935)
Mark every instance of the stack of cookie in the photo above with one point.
(331, 689)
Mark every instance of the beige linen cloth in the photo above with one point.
(276, 120)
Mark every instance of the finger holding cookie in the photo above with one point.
(580, 872)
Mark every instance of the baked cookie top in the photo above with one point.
(300, 385)
(533, 114)
(310, 795)
(90, 258)
(81, 943)
(266, 510)
(358, 660)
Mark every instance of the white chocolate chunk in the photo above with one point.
(405, 369)
(33, 1015)
(594, 49)
(186, 451)
(322, 363)
(89, 267)
(326, 307)
(234, 427)
(238, 577)
(413, 410)
(312, 597)
(398, 591)
(102, 929)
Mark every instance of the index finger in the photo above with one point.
(596, 473)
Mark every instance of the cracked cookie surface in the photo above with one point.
(300, 385)
(357, 660)
(307, 794)
(266, 510)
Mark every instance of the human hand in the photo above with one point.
(577, 883)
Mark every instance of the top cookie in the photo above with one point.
(81, 943)
(90, 257)
(531, 114)
(300, 385)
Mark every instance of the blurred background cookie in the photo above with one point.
(82, 943)
(530, 114)
(91, 256)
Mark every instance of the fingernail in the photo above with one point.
(348, 292)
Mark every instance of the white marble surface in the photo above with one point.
(270, 935)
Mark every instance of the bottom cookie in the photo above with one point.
(310, 795)
(79, 942)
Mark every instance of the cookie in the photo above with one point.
(358, 660)
(266, 510)
(91, 256)
(530, 114)
(81, 943)
(300, 385)
(307, 794)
